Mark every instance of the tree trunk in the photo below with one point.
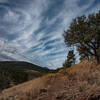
(98, 59)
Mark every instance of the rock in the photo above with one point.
(94, 97)
(60, 96)
(43, 91)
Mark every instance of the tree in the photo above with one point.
(84, 33)
(83, 55)
(70, 59)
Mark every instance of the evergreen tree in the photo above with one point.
(70, 59)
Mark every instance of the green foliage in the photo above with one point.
(70, 59)
(19, 76)
(5, 79)
(21, 65)
(84, 33)
(11, 76)
(13, 73)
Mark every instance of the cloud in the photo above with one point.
(2, 1)
(31, 30)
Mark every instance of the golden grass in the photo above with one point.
(80, 82)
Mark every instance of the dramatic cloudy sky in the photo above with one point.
(31, 30)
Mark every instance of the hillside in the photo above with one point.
(21, 65)
(80, 82)
(14, 72)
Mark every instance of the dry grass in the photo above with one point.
(80, 82)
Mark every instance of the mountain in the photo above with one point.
(16, 72)
(21, 65)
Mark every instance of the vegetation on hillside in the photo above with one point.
(21, 65)
(14, 73)
(9, 78)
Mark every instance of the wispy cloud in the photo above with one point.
(2, 1)
(31, 30)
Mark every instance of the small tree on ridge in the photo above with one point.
(70, 59)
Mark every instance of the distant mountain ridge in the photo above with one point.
(21, 65)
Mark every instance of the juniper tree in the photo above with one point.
(70, 59)
(84, 33)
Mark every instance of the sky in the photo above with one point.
(31, 30)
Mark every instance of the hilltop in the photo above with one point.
(21, 65)
(15, 72)
(80, 82)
